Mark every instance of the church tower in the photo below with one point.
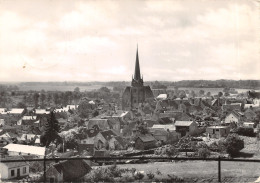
(137, 93)
(137, 80)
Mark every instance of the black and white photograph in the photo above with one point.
(130, 91)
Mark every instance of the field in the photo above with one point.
(201, 170)
(58, 87)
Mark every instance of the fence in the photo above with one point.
(218, 160)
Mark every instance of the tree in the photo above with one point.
(182, 95)
(220, 94)
(233, 144)
(51, 130)
(42, 99)
(208, 94)
(84, 109)
(201, 92)
(104, 89)
(192, 94)
(226, 94)
(36, 99)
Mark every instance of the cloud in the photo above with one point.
(96, 40)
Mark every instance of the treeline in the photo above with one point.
(247, 84)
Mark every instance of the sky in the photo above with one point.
(73, 40)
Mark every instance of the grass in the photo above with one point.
(199, 169)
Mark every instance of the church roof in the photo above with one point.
(137, 75)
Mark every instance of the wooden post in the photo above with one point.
(219, 169)
(44, 169)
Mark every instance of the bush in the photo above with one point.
(246, 131)
(203, 152)
(150, 175)
(99, 175)
(138, 176)
(233, 144)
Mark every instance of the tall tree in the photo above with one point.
(42, 99)
(51, 130)
(36, 99)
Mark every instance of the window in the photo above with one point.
(217, 130)
(213, 131)
(24, 170)
(12, 173)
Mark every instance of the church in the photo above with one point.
(137, 93)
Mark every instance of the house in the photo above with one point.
(101, 123)
(104, 139)
(18, 149)
(235, 117)
(11, 170)
(68, 170)
(144, 142)
(29, 137)
(162, 96)
(2, 122)
(9, 136)
(231, 107)
(165, 136)
(250, 114)
(170, 127)
(217, 131)
(249, 124)
(186, 127)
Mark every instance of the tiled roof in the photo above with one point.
(108, 134)
(183, 123)
(72, 169)
(147, 138)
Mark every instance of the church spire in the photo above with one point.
(137, 75)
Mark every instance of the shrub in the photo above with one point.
(138, 176)
(99, 175)
(150, 175)
(234, 144)
(203, 152)
(245, 131)
(115, 171)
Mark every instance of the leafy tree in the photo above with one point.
(201, 92)
(104, 89)
(42, 99)
(36, 99)
(208, 94)
(220, 94)
(51, 130)
(233, 144)
(226, 94)
(203, 152)
(21, 105)
(182, 95)
(85, 108)
(192, 94)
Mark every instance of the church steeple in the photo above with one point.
(137, 80)
(137, 75)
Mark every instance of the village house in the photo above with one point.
(231, 107)
(217, 131)
(12, 170)
(19, 149)
(250, 114)
(2, 122)
(106, 140)
(68, 170)
(249, 124)
(165, 136)
(144, 142)
(234, 117)
(186, 127)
